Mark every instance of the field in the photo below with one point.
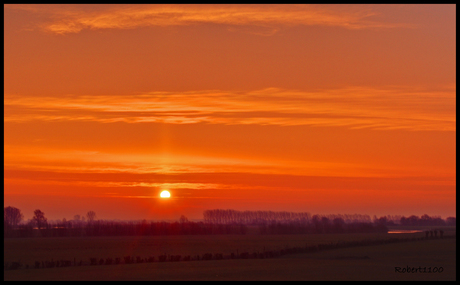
(376, 262)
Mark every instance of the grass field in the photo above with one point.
(357, 263)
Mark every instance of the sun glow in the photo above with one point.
(165, 194)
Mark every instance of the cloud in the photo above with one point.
(352, 107)
(75, 18)
(197, 183)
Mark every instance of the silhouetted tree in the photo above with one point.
(381, 221)
(316, 220)
(338, 225)
(39, 219)
(325, 224)
(425, 220)
(183, 219)
(451, 221)
(12, 216)
(91, 216)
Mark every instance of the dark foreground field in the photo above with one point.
(377, 262)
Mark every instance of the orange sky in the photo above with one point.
(327, 109)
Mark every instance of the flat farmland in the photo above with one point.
(358, 263)
(29, 250)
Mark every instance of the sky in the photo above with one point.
(326, 109)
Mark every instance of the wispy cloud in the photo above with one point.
(353, 107)
(73, 18)
(196, 184)
(125, 169)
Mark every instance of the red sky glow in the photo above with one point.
(327, 109)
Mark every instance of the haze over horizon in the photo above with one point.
(326, 109)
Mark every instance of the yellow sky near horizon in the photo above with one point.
(310, 108)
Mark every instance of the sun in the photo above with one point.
(165, 194)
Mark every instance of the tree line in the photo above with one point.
(39, 226)
(219, 216)
(12, 217)
(228, 216)
(426, 220)
(117, 228)
(215, 222)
